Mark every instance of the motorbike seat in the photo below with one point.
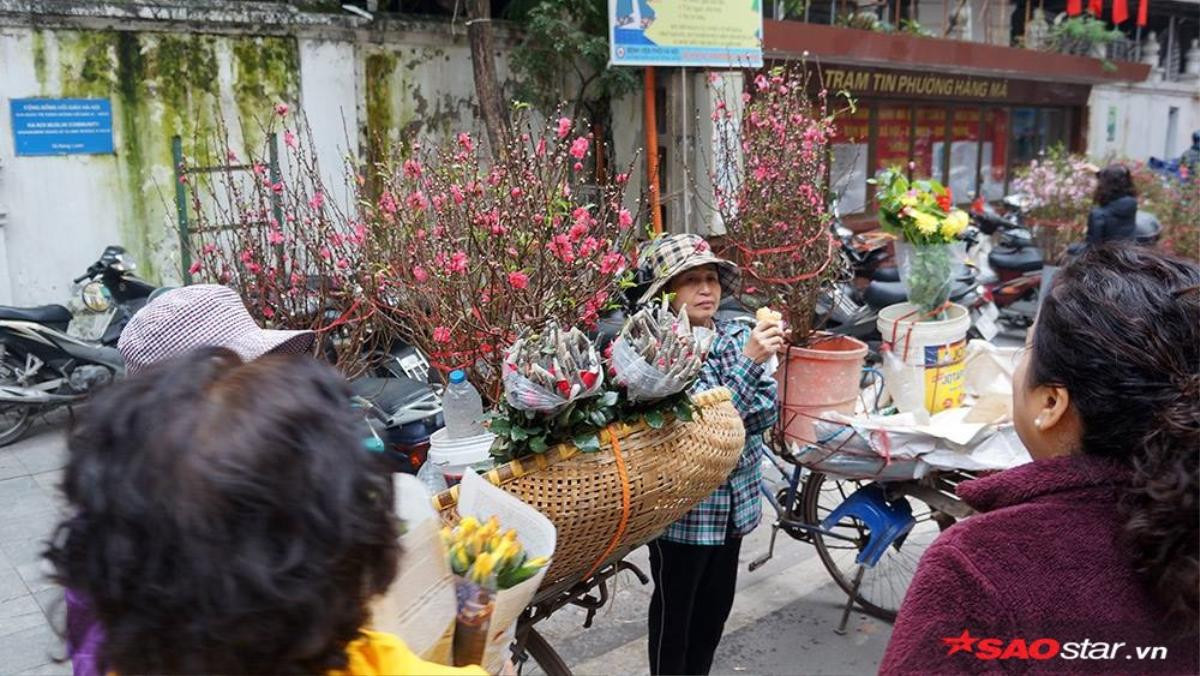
(962, 287)
(888, 273)
(390, 394)
(42, 314)
(883, 294)
(1018, 260)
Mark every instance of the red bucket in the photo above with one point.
(822, 377)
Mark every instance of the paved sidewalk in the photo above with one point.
(30, 605)
(782, 621)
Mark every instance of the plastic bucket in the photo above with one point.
(819, 378)
(455, 456)
(939, 347)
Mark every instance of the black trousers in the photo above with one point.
(693, 593)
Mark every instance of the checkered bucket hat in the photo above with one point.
(667, 256)
(201, 315)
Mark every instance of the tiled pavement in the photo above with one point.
(30, 605)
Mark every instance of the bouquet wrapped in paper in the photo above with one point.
(657, 354)
(546, 371)
(498, 552)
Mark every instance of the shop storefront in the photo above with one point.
(968, 132)
(968, 114)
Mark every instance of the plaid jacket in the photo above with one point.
(736, 501)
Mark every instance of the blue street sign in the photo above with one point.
(62, 126)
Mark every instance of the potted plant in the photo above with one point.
(277, 237)
(921, 214)
(770, 192)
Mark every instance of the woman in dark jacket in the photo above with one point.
(1114, 218)
(1084, 560)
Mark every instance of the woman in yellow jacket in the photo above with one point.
(225, 519)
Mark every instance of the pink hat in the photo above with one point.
(201, 315)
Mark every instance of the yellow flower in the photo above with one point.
(909, 200)
(955, 223)
(926, 223)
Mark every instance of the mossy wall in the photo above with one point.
(163, 85)
(391, 84)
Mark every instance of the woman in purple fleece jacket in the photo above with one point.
(1085, 560)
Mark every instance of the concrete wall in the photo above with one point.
(1131, 120)
(181, 68)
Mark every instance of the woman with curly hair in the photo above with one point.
(227, 520)
(1092, 548)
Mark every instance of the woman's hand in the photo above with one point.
(766, 339)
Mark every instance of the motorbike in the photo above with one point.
(1014, 277)
(54, 355)
(400, 398)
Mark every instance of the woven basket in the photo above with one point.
(605, 504)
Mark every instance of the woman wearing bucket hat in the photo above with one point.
(173, 353)
(694, 563)
(171, 325)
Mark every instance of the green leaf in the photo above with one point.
(655, 419)
(609, 399)
(538, 444)
(587, 442)
(599, 418)
(684, 412)
(500, 427)
(519, 434)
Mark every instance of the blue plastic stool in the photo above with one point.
(886, 522)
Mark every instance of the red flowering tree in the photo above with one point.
(474, 252)
(298, 260)
(770, 190)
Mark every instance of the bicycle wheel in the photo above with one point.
(547, 659)
(883, 587)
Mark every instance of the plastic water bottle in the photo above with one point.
(462, 407)
(431, 475)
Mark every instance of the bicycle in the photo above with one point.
(812, 497)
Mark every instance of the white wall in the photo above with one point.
(1139, 113)
(58, 213)
(61, 213)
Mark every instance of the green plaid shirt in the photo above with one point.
(735, 506)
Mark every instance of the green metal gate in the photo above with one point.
(186, 231)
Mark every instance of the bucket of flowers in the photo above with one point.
(921, 214)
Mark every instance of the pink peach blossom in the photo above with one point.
(518, 280)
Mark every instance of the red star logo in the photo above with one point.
(960, 642)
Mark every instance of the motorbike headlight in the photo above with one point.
(95, 297)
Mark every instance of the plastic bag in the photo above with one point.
(565, 363)
(642, 381)
(658, 353)
(905, 384)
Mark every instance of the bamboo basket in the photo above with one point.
(607, 503)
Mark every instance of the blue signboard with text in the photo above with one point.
(62, 126)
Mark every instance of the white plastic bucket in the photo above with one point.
(937, 346)
(455, 456)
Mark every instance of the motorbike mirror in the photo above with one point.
(1013, 201)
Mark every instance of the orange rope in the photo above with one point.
(616, 538)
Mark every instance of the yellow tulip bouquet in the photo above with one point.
(484, 561)
(921, 212)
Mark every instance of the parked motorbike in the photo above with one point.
(402, 414)
(400, 398)
(1016, 262)
(53, 356)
